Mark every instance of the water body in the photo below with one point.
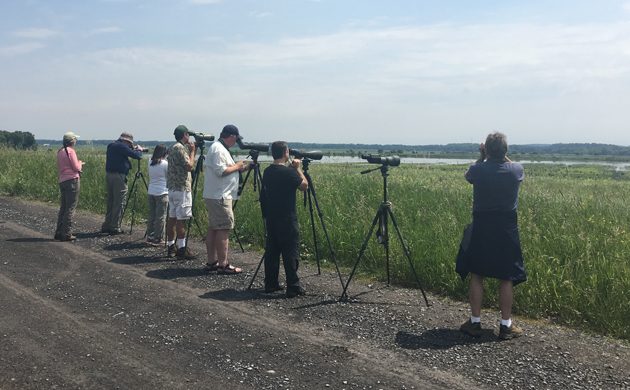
(618, 166)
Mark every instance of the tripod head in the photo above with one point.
(384, 170)
(254, 153)
(305, 164)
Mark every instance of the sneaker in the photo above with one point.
(68, 238)
(293, 292)
(512, 332)
(185, 254)
(471, 329)
(170, 252)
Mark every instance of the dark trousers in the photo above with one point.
(283, 238)
(116, 193)
(69, 190)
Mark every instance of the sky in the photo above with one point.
(411, 72)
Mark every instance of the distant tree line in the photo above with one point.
(17, 139)
(454, 149)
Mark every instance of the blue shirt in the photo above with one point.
(495, 185)
(118, 153)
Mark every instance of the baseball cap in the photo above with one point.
(230, 130)
(180, 131)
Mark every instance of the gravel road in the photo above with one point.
(108, 312)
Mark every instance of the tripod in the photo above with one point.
(195, 182)
(383, 214)
(133, 190)
(257, 182)
(311, 196)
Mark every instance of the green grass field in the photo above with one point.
(573, 220)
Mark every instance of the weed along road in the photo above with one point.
(109, 312)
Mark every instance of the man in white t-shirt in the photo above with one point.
(219, 190)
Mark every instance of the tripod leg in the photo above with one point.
(315, 243)
(408, 255)
(130, 195)
(377, 218)
(311, 188)
(256, 273)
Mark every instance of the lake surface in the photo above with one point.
(619, 166)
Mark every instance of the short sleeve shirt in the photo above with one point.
(279, 186)
(495, 185)
(178, 176)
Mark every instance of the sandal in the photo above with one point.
(211, 267)
(229, 270)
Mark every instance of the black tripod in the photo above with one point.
(194, 183)
(133, 190)
(383, 214)
(311, 196)
(254, 166)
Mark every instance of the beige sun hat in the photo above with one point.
(69, 137)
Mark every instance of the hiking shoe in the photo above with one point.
(170, 252)
(512, 332)
(185, 254)
(293, 292)
(471, 329)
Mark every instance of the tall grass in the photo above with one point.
(573, 220)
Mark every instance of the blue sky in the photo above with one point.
(338, 71)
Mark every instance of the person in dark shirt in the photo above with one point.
(491, 246)
(117, 166)
(277, 199)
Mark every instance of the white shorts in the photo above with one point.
(180, 205)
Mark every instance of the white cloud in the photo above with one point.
(626, 6)
(35, 33)
(19, 49)
(204, 2)
(261, 14)
(105, 30)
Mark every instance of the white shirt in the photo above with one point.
(215, 185)
(157, 178)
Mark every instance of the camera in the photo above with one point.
(141, 149)
(258, 147)
(393, 161)
(313, 154)
(201, 137)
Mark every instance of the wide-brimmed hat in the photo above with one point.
(126, 137)
(69, 137)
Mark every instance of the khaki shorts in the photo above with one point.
(220, 215)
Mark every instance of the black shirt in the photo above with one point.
(277, 197)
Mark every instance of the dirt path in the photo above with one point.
(109, 312)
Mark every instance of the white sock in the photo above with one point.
(170, 242)
(507, 322)
(181, 242)
(475, 320)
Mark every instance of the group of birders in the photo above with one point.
(490, 246)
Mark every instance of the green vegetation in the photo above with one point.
(17, 139)
(574, 228)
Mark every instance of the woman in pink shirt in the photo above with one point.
(69, 168)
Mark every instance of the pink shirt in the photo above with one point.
(68, 165)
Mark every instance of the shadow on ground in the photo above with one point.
(176, 273)
(441, 338)
(135, 260)
(31, 239)
(233, 295)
